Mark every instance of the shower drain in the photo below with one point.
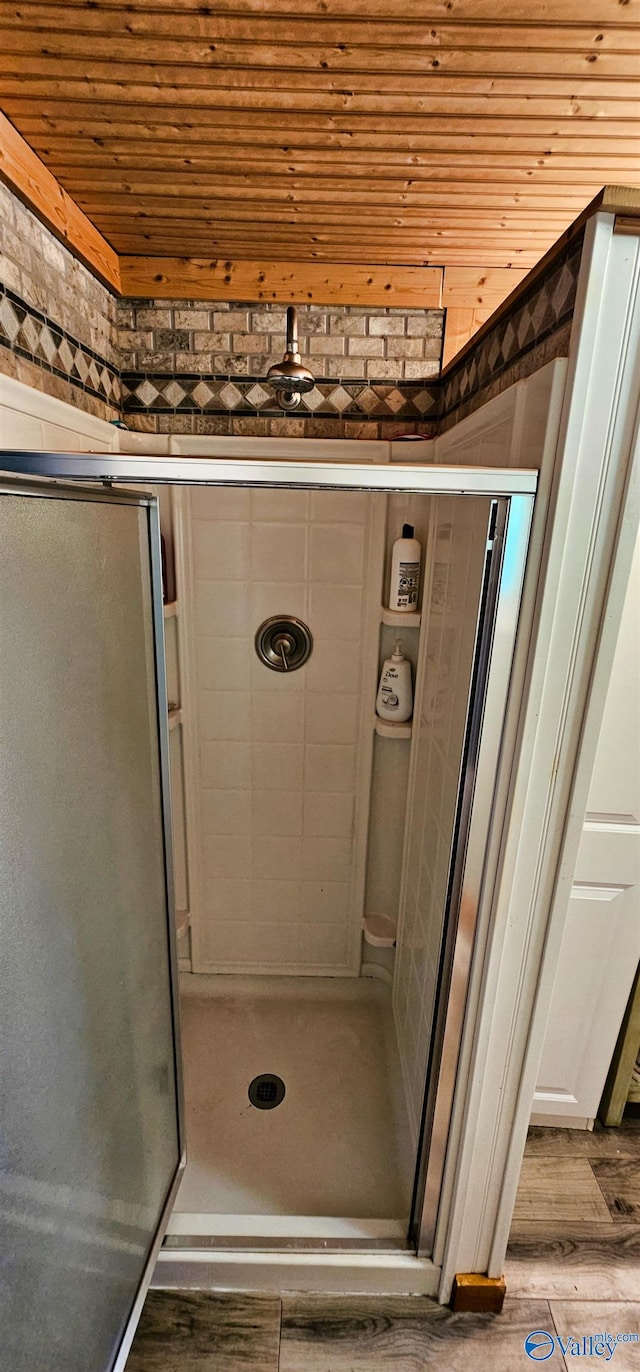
(266, 1091)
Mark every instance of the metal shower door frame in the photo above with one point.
(61, 490)
(515, 490)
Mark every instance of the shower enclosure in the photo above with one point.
(339, 820)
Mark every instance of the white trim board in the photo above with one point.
(580, 503)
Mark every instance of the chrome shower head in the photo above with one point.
(289, 378)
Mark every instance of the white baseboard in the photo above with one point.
(562, 1121)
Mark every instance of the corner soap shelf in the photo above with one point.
(379, 931)
(385, 728)
(409, 618)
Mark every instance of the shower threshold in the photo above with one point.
(265, 1232)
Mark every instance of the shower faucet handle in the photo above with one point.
(284, 646)
(283, 643)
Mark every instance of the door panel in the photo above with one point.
(89, 1099)
(601, 941)
(598, 958)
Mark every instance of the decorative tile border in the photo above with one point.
(536, 315)
(31, 335)
(535, 329)
(198, 393)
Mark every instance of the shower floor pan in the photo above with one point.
(330, 1159)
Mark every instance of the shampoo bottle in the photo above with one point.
(395, 693)
(405, 571)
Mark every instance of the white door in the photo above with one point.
(90, 1118)
(601, 944)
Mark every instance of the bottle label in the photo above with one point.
(388, 689)
(407, 592)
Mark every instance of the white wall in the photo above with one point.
(32, 420)
(280, 755)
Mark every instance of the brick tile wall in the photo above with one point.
(200, 367)
(57, 321)
(375, 368)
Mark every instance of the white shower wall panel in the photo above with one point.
(280, 755)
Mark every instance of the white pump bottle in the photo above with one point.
(395, 692)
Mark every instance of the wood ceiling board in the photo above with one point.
(263, 218)
(143, 189)
(424, 253)
(470, 296)
(451, 127)
(211, 237)
(461, 323)
(151, 103)
(472, 288)
(553, 93)
(539, 184)
(374, 259)
(30, 61)
(297, 41)
(26, 174)
(297, 281)
(324, 162)
(612, 199)
(621, 12)
(329, 261)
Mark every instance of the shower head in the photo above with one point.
(289, 378)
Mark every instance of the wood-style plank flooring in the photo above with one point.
(576, 1228)
(573, 1269)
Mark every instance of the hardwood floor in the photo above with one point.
(560, 1190)
(568, 1240)
(619, 1181)
(204, 1331)
(405, 1334)
(572, 1269)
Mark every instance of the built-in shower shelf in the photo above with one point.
(175, 717)
(409, 618)
(170, 609)
(386, 729)
(379, 931)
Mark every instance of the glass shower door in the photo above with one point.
(471, 609)
(90, 1132)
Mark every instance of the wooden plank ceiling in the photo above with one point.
(464, 134)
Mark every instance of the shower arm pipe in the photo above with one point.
(291, 349)
(269, 472)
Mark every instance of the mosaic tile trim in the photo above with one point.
(515, 344)
(537, 314)
(31, 335)
(510, 349)
(556, 344)
(195, 393)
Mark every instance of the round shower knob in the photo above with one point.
(283, 643)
